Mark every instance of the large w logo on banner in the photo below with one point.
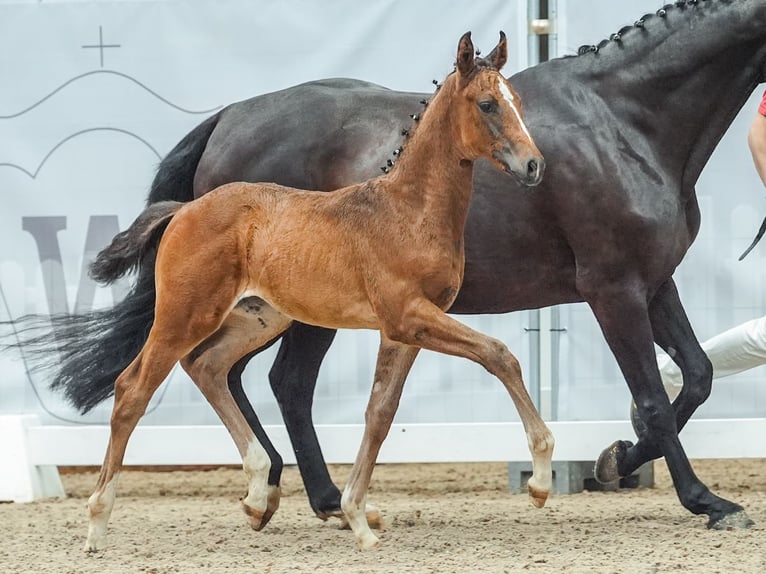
(45, 230)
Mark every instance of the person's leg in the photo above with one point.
(740, 348)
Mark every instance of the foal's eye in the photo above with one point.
(488, 106)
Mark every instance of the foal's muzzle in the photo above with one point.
(528, 170)
(535, 169)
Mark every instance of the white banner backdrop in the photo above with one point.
(93, 94)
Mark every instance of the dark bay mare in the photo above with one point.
(626, 126)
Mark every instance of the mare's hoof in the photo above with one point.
(607, 465)
(733, 521)
(638, 425)
(260, 518)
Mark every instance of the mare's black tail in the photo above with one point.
(174, 180)
(95, 347)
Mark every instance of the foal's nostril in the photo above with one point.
(532, 168)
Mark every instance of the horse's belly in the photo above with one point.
(318, 300)
(336, 313)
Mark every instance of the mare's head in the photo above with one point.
(489, 115)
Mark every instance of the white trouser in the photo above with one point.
(738, 349)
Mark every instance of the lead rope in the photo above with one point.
(758, 236)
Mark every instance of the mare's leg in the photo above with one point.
(393, 365)
(252, 324)
(293, 380)
(624, 320)
(673, 332)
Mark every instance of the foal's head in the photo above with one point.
(489, 115)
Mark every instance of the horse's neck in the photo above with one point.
(431, 176)
(681, 83)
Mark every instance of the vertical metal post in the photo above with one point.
(532, 377)
(556, 329)
(535, 360)
(555, 338)
(544, 324)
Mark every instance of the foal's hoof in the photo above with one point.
(733, 521)
(367, 541)
(538, 496)
(96, 540)
(607, 465)
(372, 514)
(260, 518)
(93, 546)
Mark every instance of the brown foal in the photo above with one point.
(386, 254)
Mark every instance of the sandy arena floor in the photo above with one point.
(439, 518)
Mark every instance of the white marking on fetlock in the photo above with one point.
(99, 509)
(372, 514)
(540, 483)
(257, 465)
(357, 520)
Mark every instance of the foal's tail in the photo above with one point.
(95, 347)
(129, 248)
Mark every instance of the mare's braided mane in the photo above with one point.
(639, 24)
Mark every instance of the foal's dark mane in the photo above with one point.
(479, 63)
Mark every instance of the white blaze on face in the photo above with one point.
(503, 87)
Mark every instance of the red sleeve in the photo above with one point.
(762, 106)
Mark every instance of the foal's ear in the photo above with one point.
(499, 54)
(465, 55)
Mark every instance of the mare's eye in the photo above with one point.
(488, 106)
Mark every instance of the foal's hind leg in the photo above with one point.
(133, 390)
(293, 383)
(179, 326)
(253, 324)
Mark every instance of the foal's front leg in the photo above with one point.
(426, 325)
(393, 365)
